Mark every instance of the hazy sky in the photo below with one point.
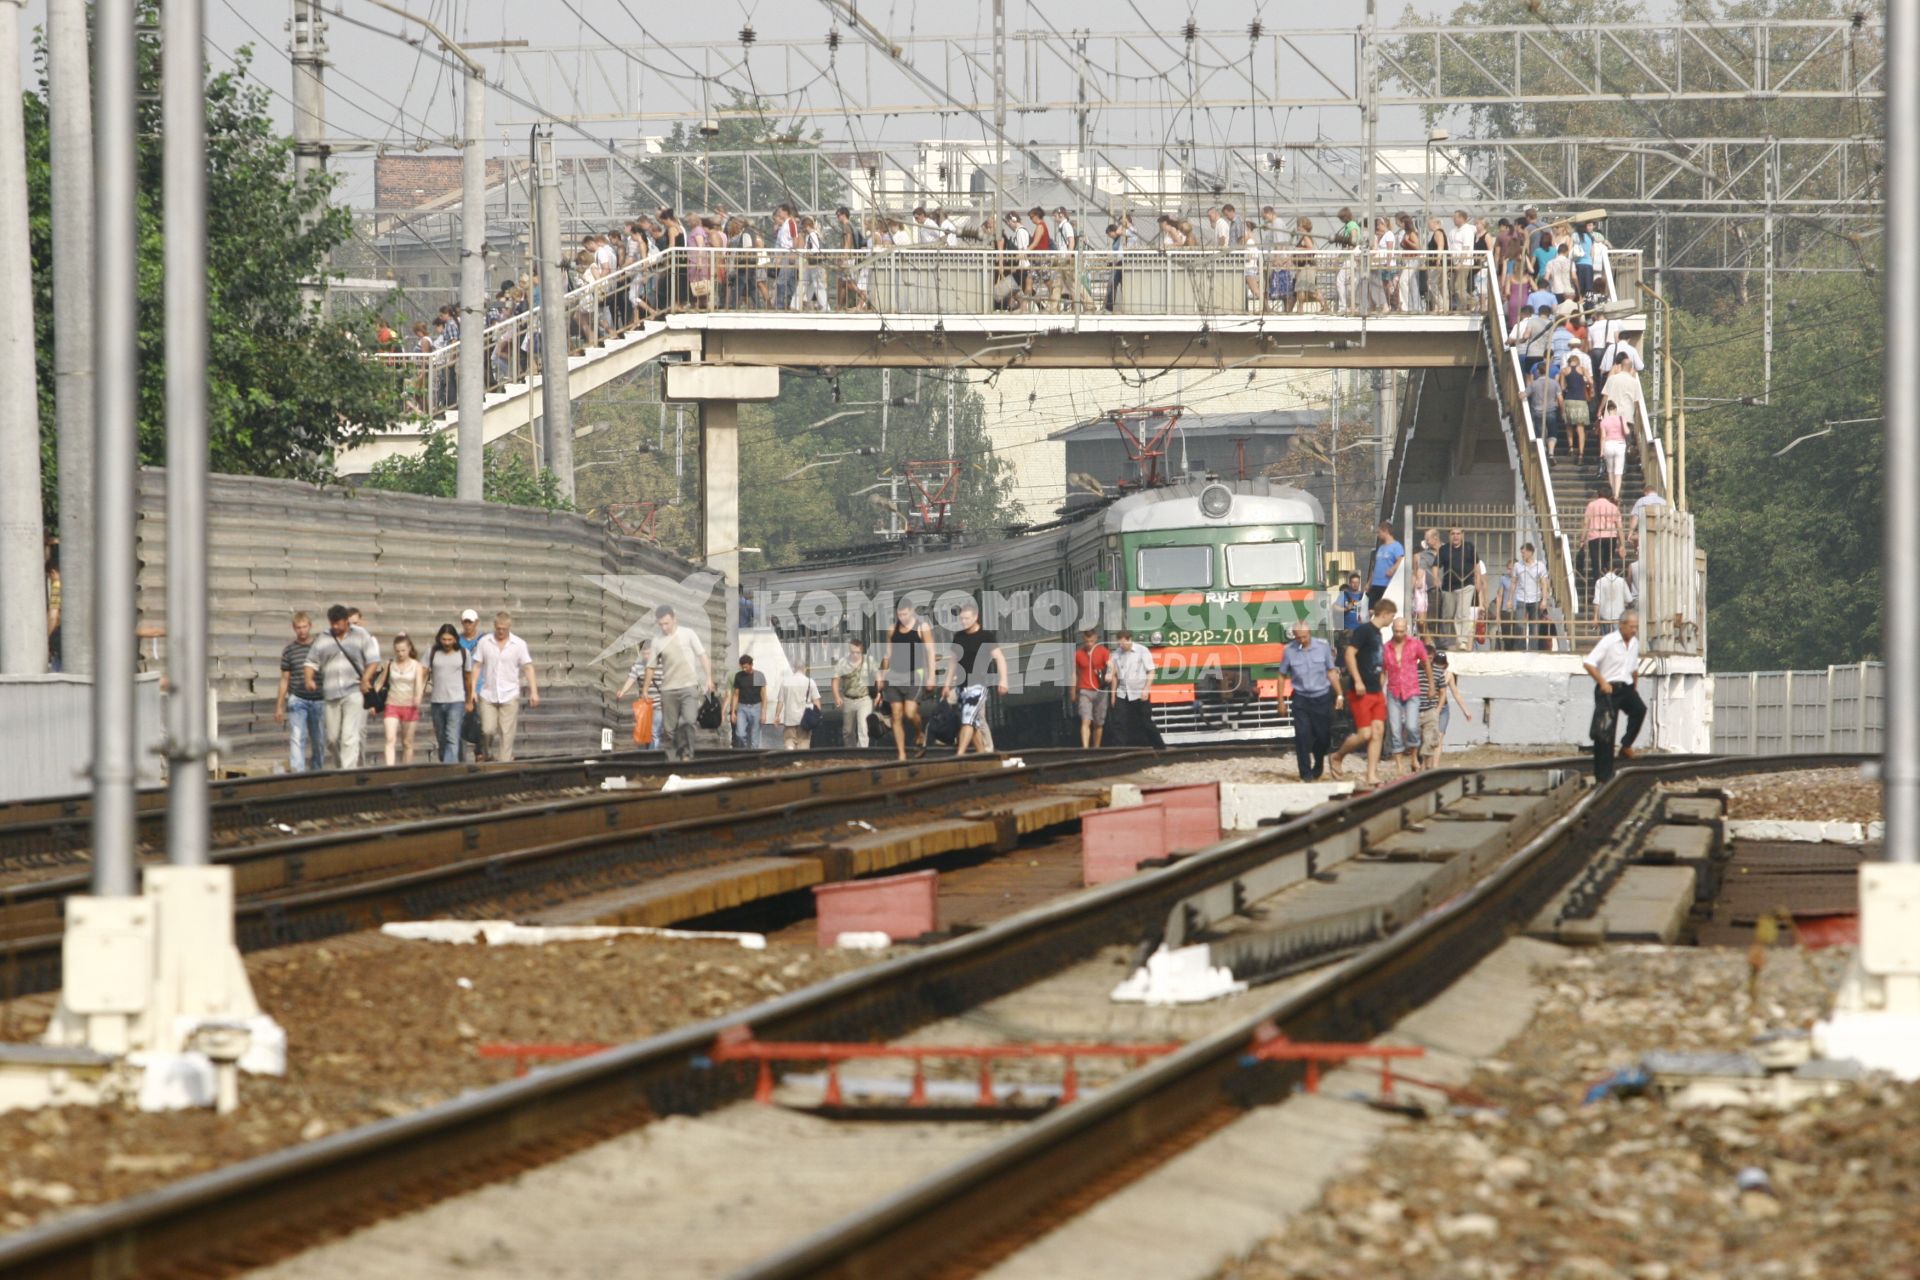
(383, 90)
(386, 91)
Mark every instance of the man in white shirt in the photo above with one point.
(1614, 665)
(798, 695)
(1130, 672)
(1529, 590)
(949, 229)
(685, 673)
(1637, 515)
(1610, 597)
(499, 662)
(1224, 236)
(1460, 238)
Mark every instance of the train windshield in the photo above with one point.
(1265, 564)
(1161, 567)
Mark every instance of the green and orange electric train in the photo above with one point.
(1211, 574)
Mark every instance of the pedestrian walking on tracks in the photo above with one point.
(1614, 665)
(853, 684)
(340, 668)
(1403, 660)
(1091, 696)
(1310, 683)
(298, 706)
(405, 689)
(1131, 672)
(685, 674)
(798, 706)
(449, 691)
(1366, 650)
(907, 668)
(746, 703)
(977, 659)
(501, 661)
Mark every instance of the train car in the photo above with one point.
(1211, 574)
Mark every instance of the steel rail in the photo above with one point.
(341, 882)
(245, 1213)
(961, 1220)
(49, 828)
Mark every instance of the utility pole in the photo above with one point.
(471, 441)
(952, 446)
(555, 408)
(1080, 68)
(116, 448)
(23, 582)
(999, 116)
(893, 480)
(184, 185)
(1333, 448)
(70, 125)
(308, 52)
(1369, 129)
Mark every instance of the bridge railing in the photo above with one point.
(934, 280)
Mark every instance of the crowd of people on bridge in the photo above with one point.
(1040, 259)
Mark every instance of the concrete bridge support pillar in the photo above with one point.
(719, 391)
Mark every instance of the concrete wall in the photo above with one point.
(411, 563)
(49, 729)
(1787, 712)
(1546, 699)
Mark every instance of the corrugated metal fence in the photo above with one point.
(1782, 712)
(409, 564)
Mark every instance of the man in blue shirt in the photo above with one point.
(1386, 558)
(1308, 664)
(1347, 604)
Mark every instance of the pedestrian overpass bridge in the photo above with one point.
(935, 307)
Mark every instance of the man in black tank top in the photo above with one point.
(906, 668)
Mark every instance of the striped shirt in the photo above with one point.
(293, 661)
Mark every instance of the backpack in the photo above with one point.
(708, 717)
(943, 726)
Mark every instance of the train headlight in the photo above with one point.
(1215, 501)
(1156, 637)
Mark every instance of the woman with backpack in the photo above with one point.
(449, 686)
(404, 685)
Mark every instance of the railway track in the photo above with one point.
(57, 832)
(976, 1209)
(541, 855)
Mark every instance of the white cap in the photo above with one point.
(468, 615)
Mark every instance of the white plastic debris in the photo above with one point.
(675, 782)
(266, 1051)
(864, 826)
(505, 933)
(1013, 762)
(281, 826)
(175, 1081)
(465, 984)
(862, 940)
(1182, 976)
(614, 784)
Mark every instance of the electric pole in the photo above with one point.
(23, 583)
(308, 52)
(555, 408)
(70, 126)
(116, 447)
(471, 441)
(999, 115)
(184, 213)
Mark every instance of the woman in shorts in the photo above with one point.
(406, 682)
(1613, 446)
(1574, 406)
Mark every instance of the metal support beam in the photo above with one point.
(23, 586)
(720, 488)
(184, 174)
(70, 126)
(1901, 768)
(308, 53)
(471, 373)
(116, 443)
(556, 405)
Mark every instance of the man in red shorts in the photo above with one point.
(1365, 648)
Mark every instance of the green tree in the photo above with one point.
(507, 477)
(286, 388)
(1791, 531)
(779, 167)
